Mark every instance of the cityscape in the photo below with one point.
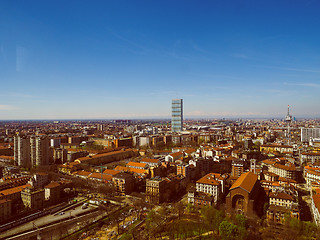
(158, 179)
(159, 120)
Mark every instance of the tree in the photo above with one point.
(228, 231)
(212, 217)
(241, 222)
(179, 208)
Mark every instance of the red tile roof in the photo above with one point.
(246, 181)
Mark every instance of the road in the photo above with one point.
(45, 220)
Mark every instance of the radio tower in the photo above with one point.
(288, 119)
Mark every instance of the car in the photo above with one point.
(61, 213)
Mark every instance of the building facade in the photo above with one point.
(31, 151)
(22, 151)
(39, 150)
(307, 133)
(177, 115)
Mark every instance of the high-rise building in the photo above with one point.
(39, 150)
(22, 151)
(31, 151)
(177, 115)
(307, 133)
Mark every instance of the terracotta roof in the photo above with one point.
(110, 171)
(149, 160)
(176, 154)
(83, 159)
(82, 173)
(284, 167)
(7, 157)
(122, 168)
(98, 176)
(281, 195)
(316, 200)
(246, 181)
(137, 170)
(52, 185)
(12, 190)
(136, 164)
(210, 178)
(276, 145)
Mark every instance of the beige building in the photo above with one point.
(281, 199)
(33, 199)
(22, 151)
(124, 182)
(211, 184)
(53, 192)
(155, 190)
(39, 150)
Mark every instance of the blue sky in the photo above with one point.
(128, 59)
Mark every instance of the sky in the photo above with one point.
(128, 59)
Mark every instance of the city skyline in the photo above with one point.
(124, 59)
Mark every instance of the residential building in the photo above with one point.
(212, 184)
(31, 151)
(22, 156)
(39, 180)
(151, 162)
(184, 170)
(238, 166)
(307, 133)
(32, 198)
(155, 190)
(309, 157)
(281, 199)
(124, 182)
(312, 175)
(315, 207)
(52, 192)
(39, 150)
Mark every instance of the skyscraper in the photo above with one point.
(39, 150)
(22, 151)
(31, 151)
(177, 115)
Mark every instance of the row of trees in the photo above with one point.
(182, 222)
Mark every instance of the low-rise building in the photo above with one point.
(52, 192)
(151, 162)
(212, 184)
(312, 174)
(309, 157)
(281, 199)
(39, 180)
(124, 182)
(33, 198)
(5, 209)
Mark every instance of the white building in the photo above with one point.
(212, 184)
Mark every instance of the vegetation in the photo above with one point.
(186, 221)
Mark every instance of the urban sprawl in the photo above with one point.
(160, 179)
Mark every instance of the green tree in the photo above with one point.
(241, 222)
(228, 231)
(212, 217)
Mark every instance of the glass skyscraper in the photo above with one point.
(177, 115)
